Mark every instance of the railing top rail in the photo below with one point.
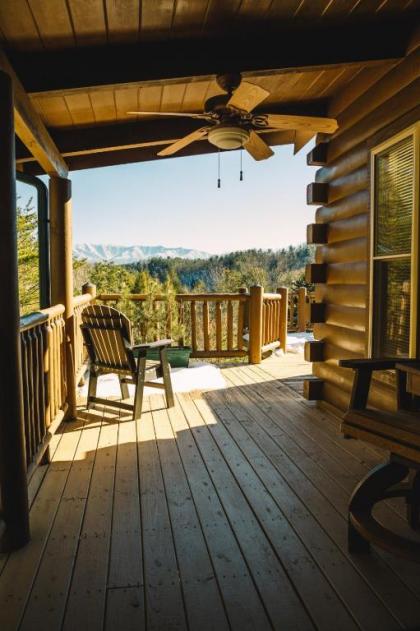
(272, 297)
(180, 297)
(36, 318)
(84, 299)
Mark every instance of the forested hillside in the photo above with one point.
(226, 272)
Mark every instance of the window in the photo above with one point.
(394, 247)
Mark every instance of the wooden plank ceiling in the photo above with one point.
(37, 24)
(52, 44)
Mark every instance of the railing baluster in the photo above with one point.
(193, 326)
(229, 325)
(206, 334)
(218, 309)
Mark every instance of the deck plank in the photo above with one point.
(87, 595)
(242, 601)
(281, 601)
(21, 567)
(125, 609)
(232, 437)
(163, 588)
(203, 602)
(48, 597)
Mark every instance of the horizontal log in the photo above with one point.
(79, 301)
(337, 398)
(318, 156)
(314, 351)
(271, 296)
(355, 204)
(333, 354)
(348, 184)
(317, 193)
(348, 339)
(316, 273)
(354, 273)
(343, 295)
(400, 76)
(351, 228)
(343, 251)
(344, 165)
(214, 297)
(312, 389)
(391, 110)
(317, 312)
(345, 317)
(317, 233)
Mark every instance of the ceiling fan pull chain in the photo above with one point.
(218, 170)
(241, 173)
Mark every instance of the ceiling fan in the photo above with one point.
(232, 125)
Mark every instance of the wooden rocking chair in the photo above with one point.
(108, 339)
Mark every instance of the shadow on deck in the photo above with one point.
(227, 511)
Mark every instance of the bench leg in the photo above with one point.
(355, 542)
(413, 503)
(138, 395)
(166, 374)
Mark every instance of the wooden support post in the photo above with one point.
(244, 290)
(284, 316)
(62, 274)
(255, 324)
(301, 309)
(13, 482)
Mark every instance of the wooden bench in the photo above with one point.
(398, 433)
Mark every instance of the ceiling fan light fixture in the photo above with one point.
(224, 137)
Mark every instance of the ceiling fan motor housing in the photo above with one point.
(228, 137)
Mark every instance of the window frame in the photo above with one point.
(413, 131)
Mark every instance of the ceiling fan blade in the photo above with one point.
(302, 137)
(183, 142)
(304, 123)
(247, 96)
(185, 114)
(257, 148)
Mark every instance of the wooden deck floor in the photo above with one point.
(225, 512)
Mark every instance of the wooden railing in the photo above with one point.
(216, 325)
(44, 379)
(299, 318)
(79, 304)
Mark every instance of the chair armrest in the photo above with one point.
(157, 344)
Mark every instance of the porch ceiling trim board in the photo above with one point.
(152, 132)
(318, 47)
(30, 128)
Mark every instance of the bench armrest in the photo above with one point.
(374, 364)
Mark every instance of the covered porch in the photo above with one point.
(227, 511)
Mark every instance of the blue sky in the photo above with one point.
(175, 202)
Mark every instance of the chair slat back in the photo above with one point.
(107, 334)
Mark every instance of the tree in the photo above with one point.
(28, 257)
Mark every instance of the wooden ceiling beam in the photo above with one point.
(143, 133)
(30, 128)
(149, 153)
(260, 51)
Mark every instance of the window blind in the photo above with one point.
(393, 229)
(394, 199)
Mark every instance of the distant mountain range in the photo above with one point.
(120, 254)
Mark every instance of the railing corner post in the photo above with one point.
(256, 294)
(89, 288)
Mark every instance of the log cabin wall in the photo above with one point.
(374, 106)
